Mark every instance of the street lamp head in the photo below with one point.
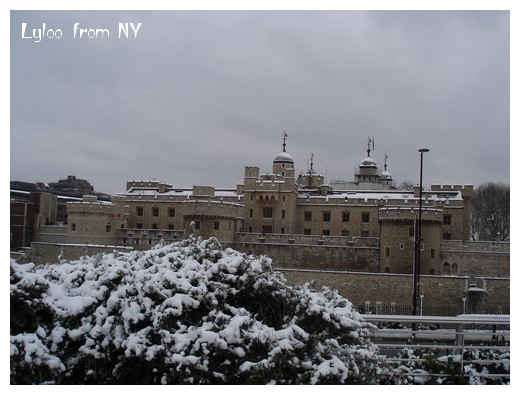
(424, 150)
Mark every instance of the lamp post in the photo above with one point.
(417, 263)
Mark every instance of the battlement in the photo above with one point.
(252, 172)
(203, 191)
(117, 199)
(160, 186)
(90, 205)
(409, 214)
(466, 190)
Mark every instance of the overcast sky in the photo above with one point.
(198, 95)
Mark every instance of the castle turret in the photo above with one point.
(367, 169)
(397, 237)
(283, 164)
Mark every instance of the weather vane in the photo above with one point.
(370, 141)
(284, 137)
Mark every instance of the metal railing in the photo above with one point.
(429, 310)
(469, 341)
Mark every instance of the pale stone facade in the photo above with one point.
(279, 203)
(311, 229)
(95, 222)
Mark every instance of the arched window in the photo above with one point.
(454, 269)
(445, 269)
(387, 269)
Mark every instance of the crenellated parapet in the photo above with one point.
(91, 206)
(396, 214)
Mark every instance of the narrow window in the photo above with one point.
(139, 211)
(267, 229)
(307, 216)
(216, 225)
(365, 217)
(268, 212)
(346, 217)
(326, 216)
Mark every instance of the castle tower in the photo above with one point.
(310, 181)
(270, 200)
(397, 239)
(283, 164)
(385, 178)
(368, 168)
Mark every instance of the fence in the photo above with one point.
(429, 310)
(476, 346)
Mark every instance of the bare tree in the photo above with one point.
(490, 212)
(406, 186)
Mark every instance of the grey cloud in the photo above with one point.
(199, 95)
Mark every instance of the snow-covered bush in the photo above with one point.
(188, 312)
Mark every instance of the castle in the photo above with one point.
(364, 225)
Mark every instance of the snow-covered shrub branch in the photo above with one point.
(188, 312)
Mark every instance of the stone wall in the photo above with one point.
(476, 258)
(42, 253)
(397, 288)
(360, 254)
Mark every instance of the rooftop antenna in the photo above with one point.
(284, 136)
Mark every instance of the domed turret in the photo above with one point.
(283, 164)
(368, 161)
(385, 176)
(367, 168)
(283, 157)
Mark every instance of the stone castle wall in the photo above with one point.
(42, 253)
(313, 252)
(470, 258)
(397, 288)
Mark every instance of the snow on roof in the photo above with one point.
(385, 195)
(136, 191)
